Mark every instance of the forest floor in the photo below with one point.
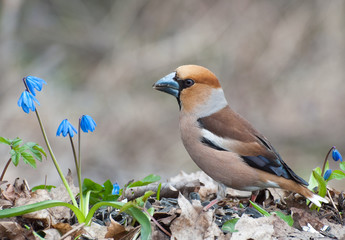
(180, 214)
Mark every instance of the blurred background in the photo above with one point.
(281, 64)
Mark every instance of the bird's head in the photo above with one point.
(196, 88)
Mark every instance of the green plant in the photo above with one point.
(286, 218)
(320, 178)
(91, 195)
(29, 152)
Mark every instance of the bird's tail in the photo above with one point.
(298, 188)
(314, 198)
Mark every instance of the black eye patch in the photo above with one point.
(185, 83)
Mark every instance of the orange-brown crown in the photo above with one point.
(199, 74)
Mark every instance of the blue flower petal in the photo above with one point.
(87, 123)
(116, 189)
(26, 102)
(66, 128)
(59, 130)
(336, 155)
(327, 174)
(34, 83)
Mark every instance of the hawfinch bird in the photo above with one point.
(222, 143)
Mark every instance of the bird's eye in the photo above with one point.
(188, 82)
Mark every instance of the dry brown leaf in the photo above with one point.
(60, 193)
(194, 223)
(15, 191)
(63, 228)
(209, 185)
(303, 217)
(13, 231)
(66, 230)
(95, 230)
(278, 194)
(267, 228)
(115, 230)
(158, 234)
(52, 233)
(51, 215)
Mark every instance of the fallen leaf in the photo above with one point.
(115, 230)
(12, 230)
(194, 223)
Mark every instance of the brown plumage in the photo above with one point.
(222, 143)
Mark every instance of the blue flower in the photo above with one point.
(26, 101)
(336, 155)
(327, 174)
(116, 189)
(34, 83)
(87, 123)
(65, 127)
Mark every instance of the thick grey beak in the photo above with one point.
(168, 84)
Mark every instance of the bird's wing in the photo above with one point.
(225, 130)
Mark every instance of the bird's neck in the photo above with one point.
(207, 106)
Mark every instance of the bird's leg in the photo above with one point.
(213, 202)
(221, 194)
(253, 197)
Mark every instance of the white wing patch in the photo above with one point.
(219, 141)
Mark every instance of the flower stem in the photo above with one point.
(55, 162)
(5, 169)
(75, 161)
(324, 163)
(82, 200)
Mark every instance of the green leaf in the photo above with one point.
(106, 194)
(286, 218)
(48, 187)
(326, 166)
(35, 233)
(108, 187)
(260, 209)
(127, 206)
(18, 211)
(141, 200)
(16, 142)
(15, 157)
(40, 149)
(151, 211)
(230, 225)
(5, 141)
(144, 222)
(158, 195)
(29, 159)
(312, 180)
(133, 211)
(37, 150)
(342, 165)
(89, 185)
(336, 174)
(36, 154)
(20, 149)
(321, 182)
(98, 192)
(145, 181)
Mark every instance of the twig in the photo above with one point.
(336, 209)
(5, 169)
(168, 190)
(324, 162)
(72, 231)
(157, 223)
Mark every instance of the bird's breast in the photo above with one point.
(223, 166)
